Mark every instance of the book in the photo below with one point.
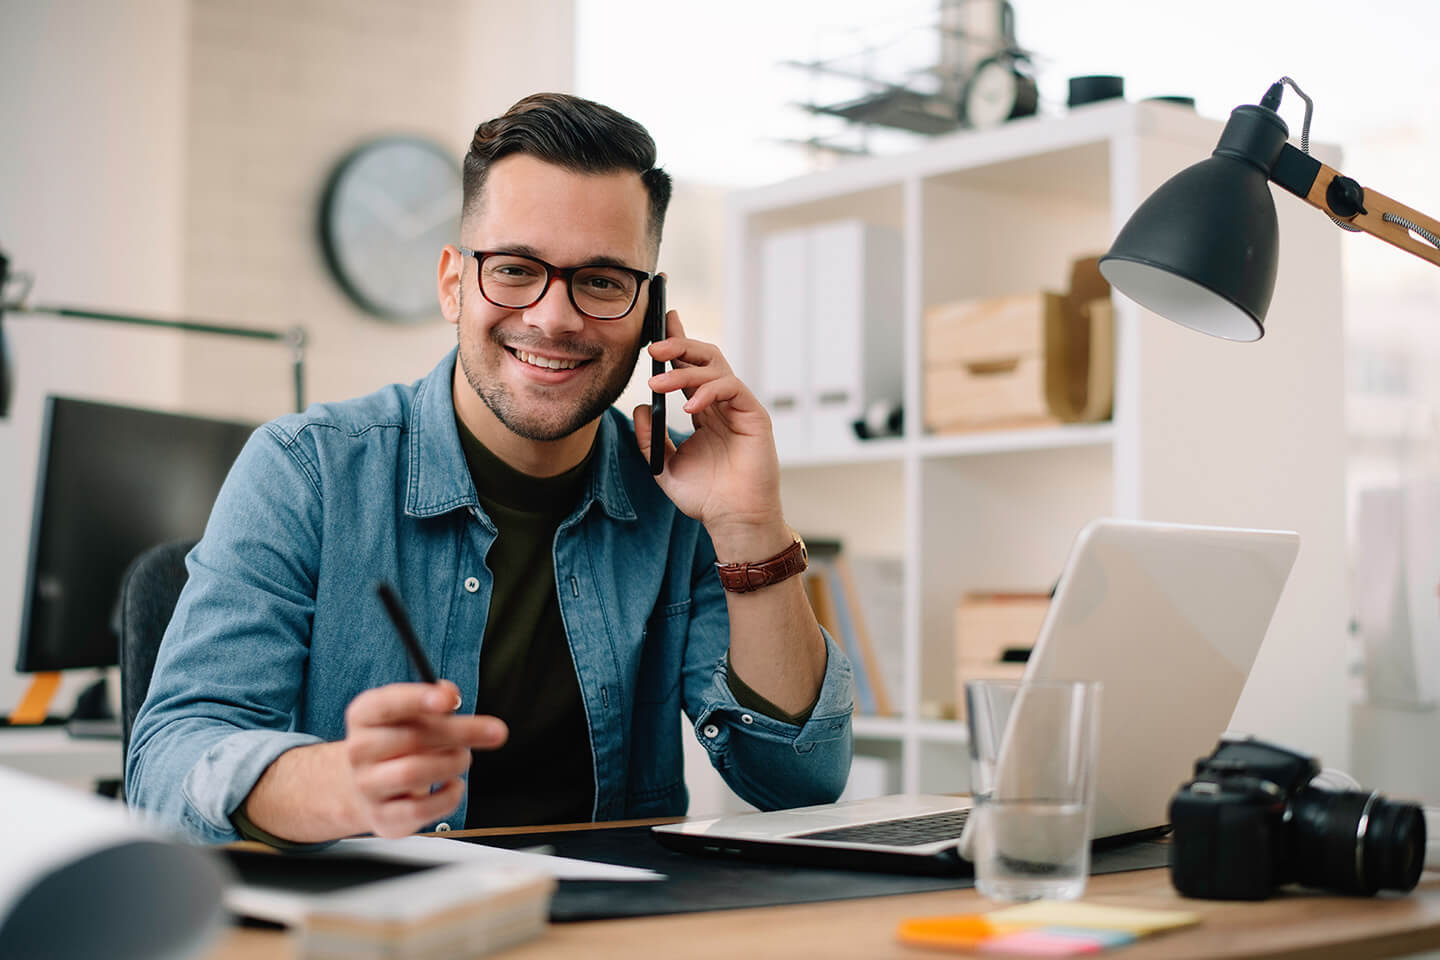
(877, 585)
(883, 705)
(84, 877)
(835, 610)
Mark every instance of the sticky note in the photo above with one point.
(1041, 943)
(1106, 938)
(957, 932)
(1063, 913)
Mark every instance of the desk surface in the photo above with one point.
(52, 753)
(1293, 926)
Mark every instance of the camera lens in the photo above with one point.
(1355, 842)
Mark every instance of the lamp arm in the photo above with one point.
(1327, 189)
(295, 337)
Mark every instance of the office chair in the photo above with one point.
(148, 592)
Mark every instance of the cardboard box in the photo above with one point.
(987, 625)
(1035, 359)
(985, 363)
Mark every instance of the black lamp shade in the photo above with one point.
(1202, 250)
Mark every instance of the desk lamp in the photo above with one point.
(1202, 249)
(15, 304)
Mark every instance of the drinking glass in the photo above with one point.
(1033, 756)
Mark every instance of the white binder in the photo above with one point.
(785, 338)
(856, 301)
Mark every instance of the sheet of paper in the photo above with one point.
(441, 850)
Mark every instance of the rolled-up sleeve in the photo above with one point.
(767, 762)
(222, 699)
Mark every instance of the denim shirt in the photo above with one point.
(279, 628)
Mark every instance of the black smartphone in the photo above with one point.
(655, 332)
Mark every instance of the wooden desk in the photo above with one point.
(1292, 926)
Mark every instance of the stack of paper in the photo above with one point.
(448, 912)
(410, 898)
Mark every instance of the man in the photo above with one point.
(570, 599)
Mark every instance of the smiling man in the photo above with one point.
(574, 603)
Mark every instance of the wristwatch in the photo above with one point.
(745, 577)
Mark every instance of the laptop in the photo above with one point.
(1167, 617)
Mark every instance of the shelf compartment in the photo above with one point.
(982, 443)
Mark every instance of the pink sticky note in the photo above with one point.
(1040, 943)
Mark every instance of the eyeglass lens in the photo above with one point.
(514, 281)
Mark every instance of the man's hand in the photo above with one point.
(401, 740)
(406, 749)
(727, 474)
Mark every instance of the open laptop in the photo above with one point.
(1167, 617)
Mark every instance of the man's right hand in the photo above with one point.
(406, 750)
(397, 769)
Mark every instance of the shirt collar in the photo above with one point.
(439, 479)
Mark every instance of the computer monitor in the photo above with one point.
(112, 482)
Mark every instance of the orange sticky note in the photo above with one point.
(962, 932)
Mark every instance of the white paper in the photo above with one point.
(142, 895)
(441, 850)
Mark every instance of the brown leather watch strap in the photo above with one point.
(745, 577)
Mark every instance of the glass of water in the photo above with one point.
(1032, 771)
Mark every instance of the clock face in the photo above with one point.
(388, 209)
(998, 92)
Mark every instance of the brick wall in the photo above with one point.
(279, 91)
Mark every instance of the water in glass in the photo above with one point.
(1031, 849)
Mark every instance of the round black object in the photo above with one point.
(1092, 89)
(1345, 197)
(1356, 843)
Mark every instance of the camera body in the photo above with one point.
(1250, 821)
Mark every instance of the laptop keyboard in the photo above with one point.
(905, 832)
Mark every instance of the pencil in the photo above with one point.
(396, 610)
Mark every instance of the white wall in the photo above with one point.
(92, 105)
(166, 157)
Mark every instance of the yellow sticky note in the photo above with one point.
(1063, 913)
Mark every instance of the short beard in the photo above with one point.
(559, 423)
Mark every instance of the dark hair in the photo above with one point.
(573, 133)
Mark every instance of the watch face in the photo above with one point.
(389, 208)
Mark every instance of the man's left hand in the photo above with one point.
(726, 474)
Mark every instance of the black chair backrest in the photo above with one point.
(148, 592)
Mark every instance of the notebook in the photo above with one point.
(1168, 617)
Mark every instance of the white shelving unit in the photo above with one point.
(1204, 431)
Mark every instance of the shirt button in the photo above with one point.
(711, 731)
(746, 718)
(442, 828)
(471, 584)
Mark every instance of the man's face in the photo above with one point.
(548, 370)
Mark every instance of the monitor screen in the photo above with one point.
(112, 482)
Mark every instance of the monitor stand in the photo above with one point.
(93, 716)
(34, 706)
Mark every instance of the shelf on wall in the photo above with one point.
(943, 731)
(877, 728)
(980, 443)
(897, 728)
(1014, 441)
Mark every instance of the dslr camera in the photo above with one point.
(1251, 821)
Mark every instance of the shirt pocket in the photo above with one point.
(662, 653)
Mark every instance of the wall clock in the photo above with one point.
(388, 208)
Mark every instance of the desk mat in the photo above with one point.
(705, 883)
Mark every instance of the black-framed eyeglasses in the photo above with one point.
(515, 282)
